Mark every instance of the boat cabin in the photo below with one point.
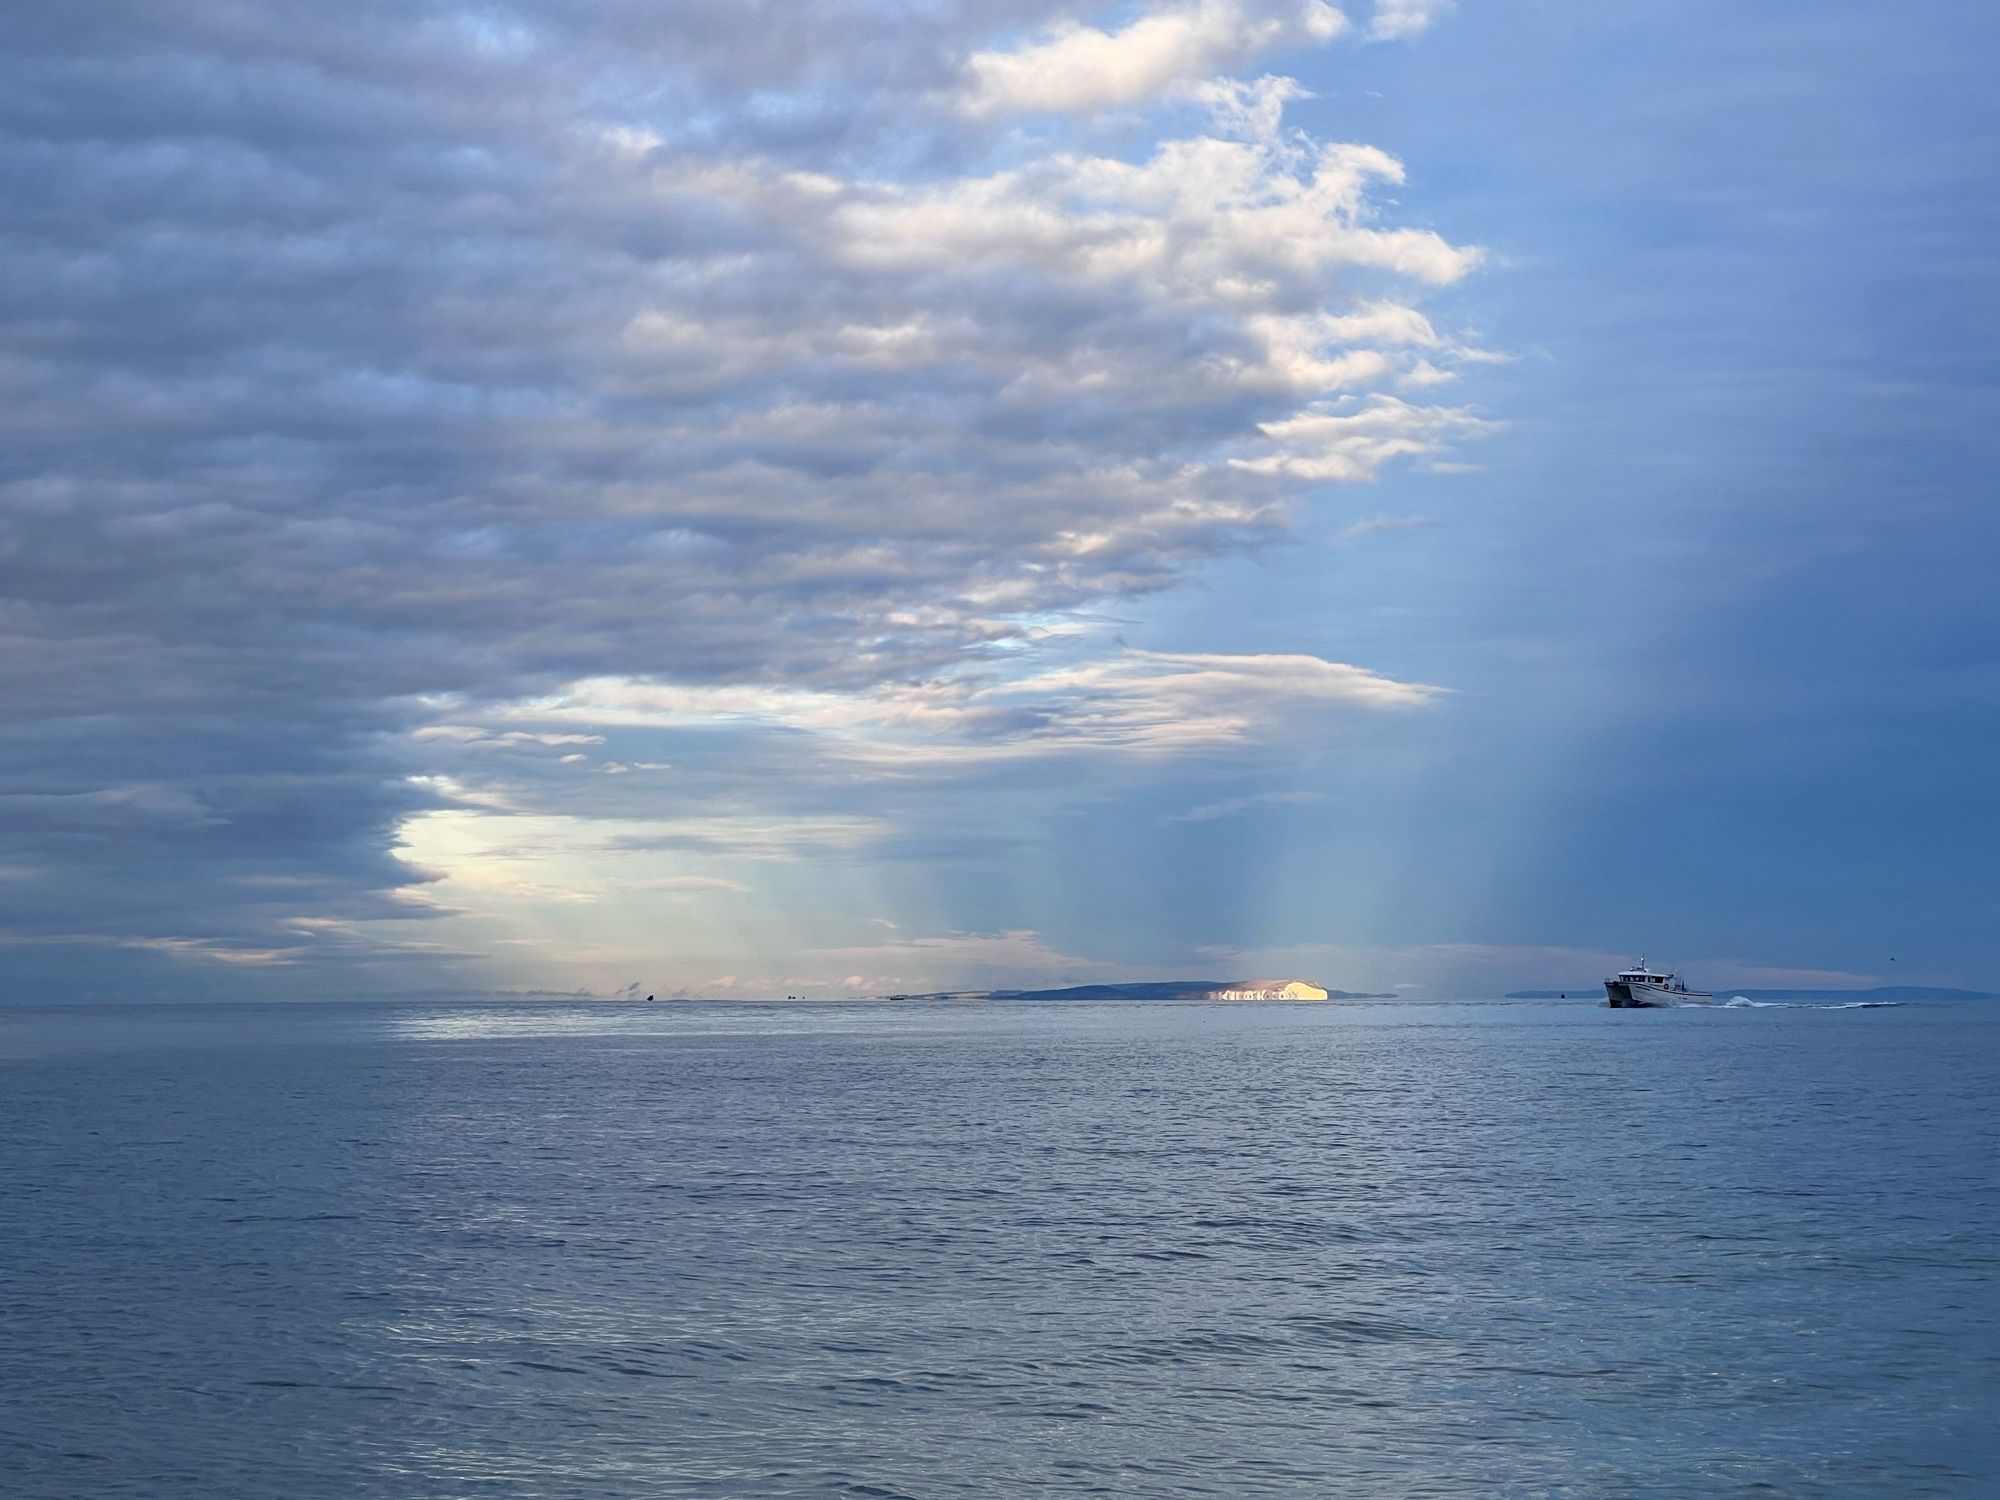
(1644, 975)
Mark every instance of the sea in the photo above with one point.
(580, 1249)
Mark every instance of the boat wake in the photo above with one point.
(1744, 1002)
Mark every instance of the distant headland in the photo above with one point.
(1166, 989)
(1903, 993)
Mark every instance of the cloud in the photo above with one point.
(1230, 807)
(365, 384)
(1134, 703)
(1077, 69)
(1377, 525)
(748, 836)
(970, 961)
(1248, 228)
(692, 885)
(471, 735)
(1349, 441)
(1397, 20)
(205, 949)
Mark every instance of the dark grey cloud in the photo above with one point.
(365, 358)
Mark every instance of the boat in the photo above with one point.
(1642, 988)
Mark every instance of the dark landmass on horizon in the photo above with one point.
(1166, 989)
(1881, 992)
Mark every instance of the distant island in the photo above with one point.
(1904, 992)
(1166, 989)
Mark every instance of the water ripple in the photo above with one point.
(701, 1251)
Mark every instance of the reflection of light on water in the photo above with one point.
(1743, 1002)
(882, 1021)
(458, 1023)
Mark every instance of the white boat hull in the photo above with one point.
(1627, 995)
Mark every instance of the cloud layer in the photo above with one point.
(1077, 69)
(381, 371)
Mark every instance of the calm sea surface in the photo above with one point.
(692, 1250)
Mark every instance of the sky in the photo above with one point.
(850, 496)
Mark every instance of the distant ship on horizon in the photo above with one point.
(1642, 988)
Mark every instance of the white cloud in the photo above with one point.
(1242, 226)
(1423, 374)
(477, 848)
(1135, 703)
(1078, 69)
(467, 734)
(133, 805)
(205, 950)
(1396, 20)
(1169, 701)
(1349, 442)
